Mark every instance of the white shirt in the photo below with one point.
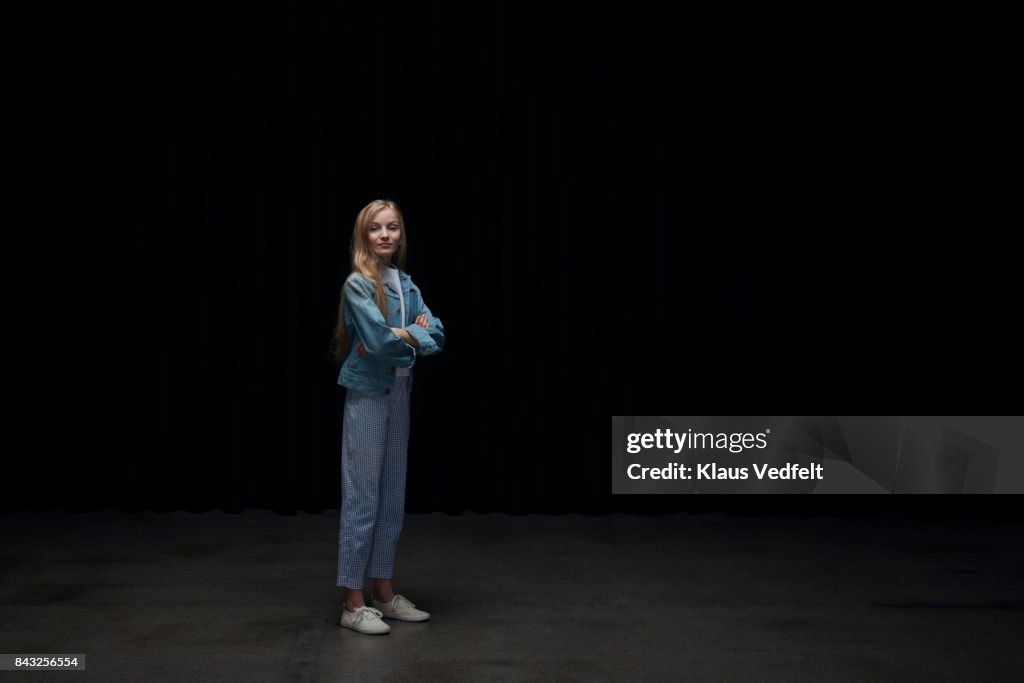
(389, 275)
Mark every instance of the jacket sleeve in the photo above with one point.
(373, 329)
(431, 338)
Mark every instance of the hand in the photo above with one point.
(421, 320)
(361, 350)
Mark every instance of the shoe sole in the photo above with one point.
(411, 619)
(368, 633)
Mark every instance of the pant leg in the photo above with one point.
(391, 510)
(363, 450)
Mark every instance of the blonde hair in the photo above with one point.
(366, 262)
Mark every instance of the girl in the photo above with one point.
(383, 325)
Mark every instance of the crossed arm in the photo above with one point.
(402, 333)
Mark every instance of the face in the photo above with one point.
(384, 234)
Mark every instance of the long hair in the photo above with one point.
(367, 263)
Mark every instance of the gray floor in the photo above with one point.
(220, 597)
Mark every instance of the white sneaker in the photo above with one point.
(400, 608)
(365, 620)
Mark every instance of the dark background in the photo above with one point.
(615, 211)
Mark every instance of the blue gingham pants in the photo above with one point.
(373, 462)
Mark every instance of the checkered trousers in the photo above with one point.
(373, 462)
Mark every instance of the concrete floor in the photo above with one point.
(251, 597)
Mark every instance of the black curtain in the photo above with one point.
(614, 211)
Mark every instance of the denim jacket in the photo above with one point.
(375, 374)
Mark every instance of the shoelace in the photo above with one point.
(362, 613)
(401, 602)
